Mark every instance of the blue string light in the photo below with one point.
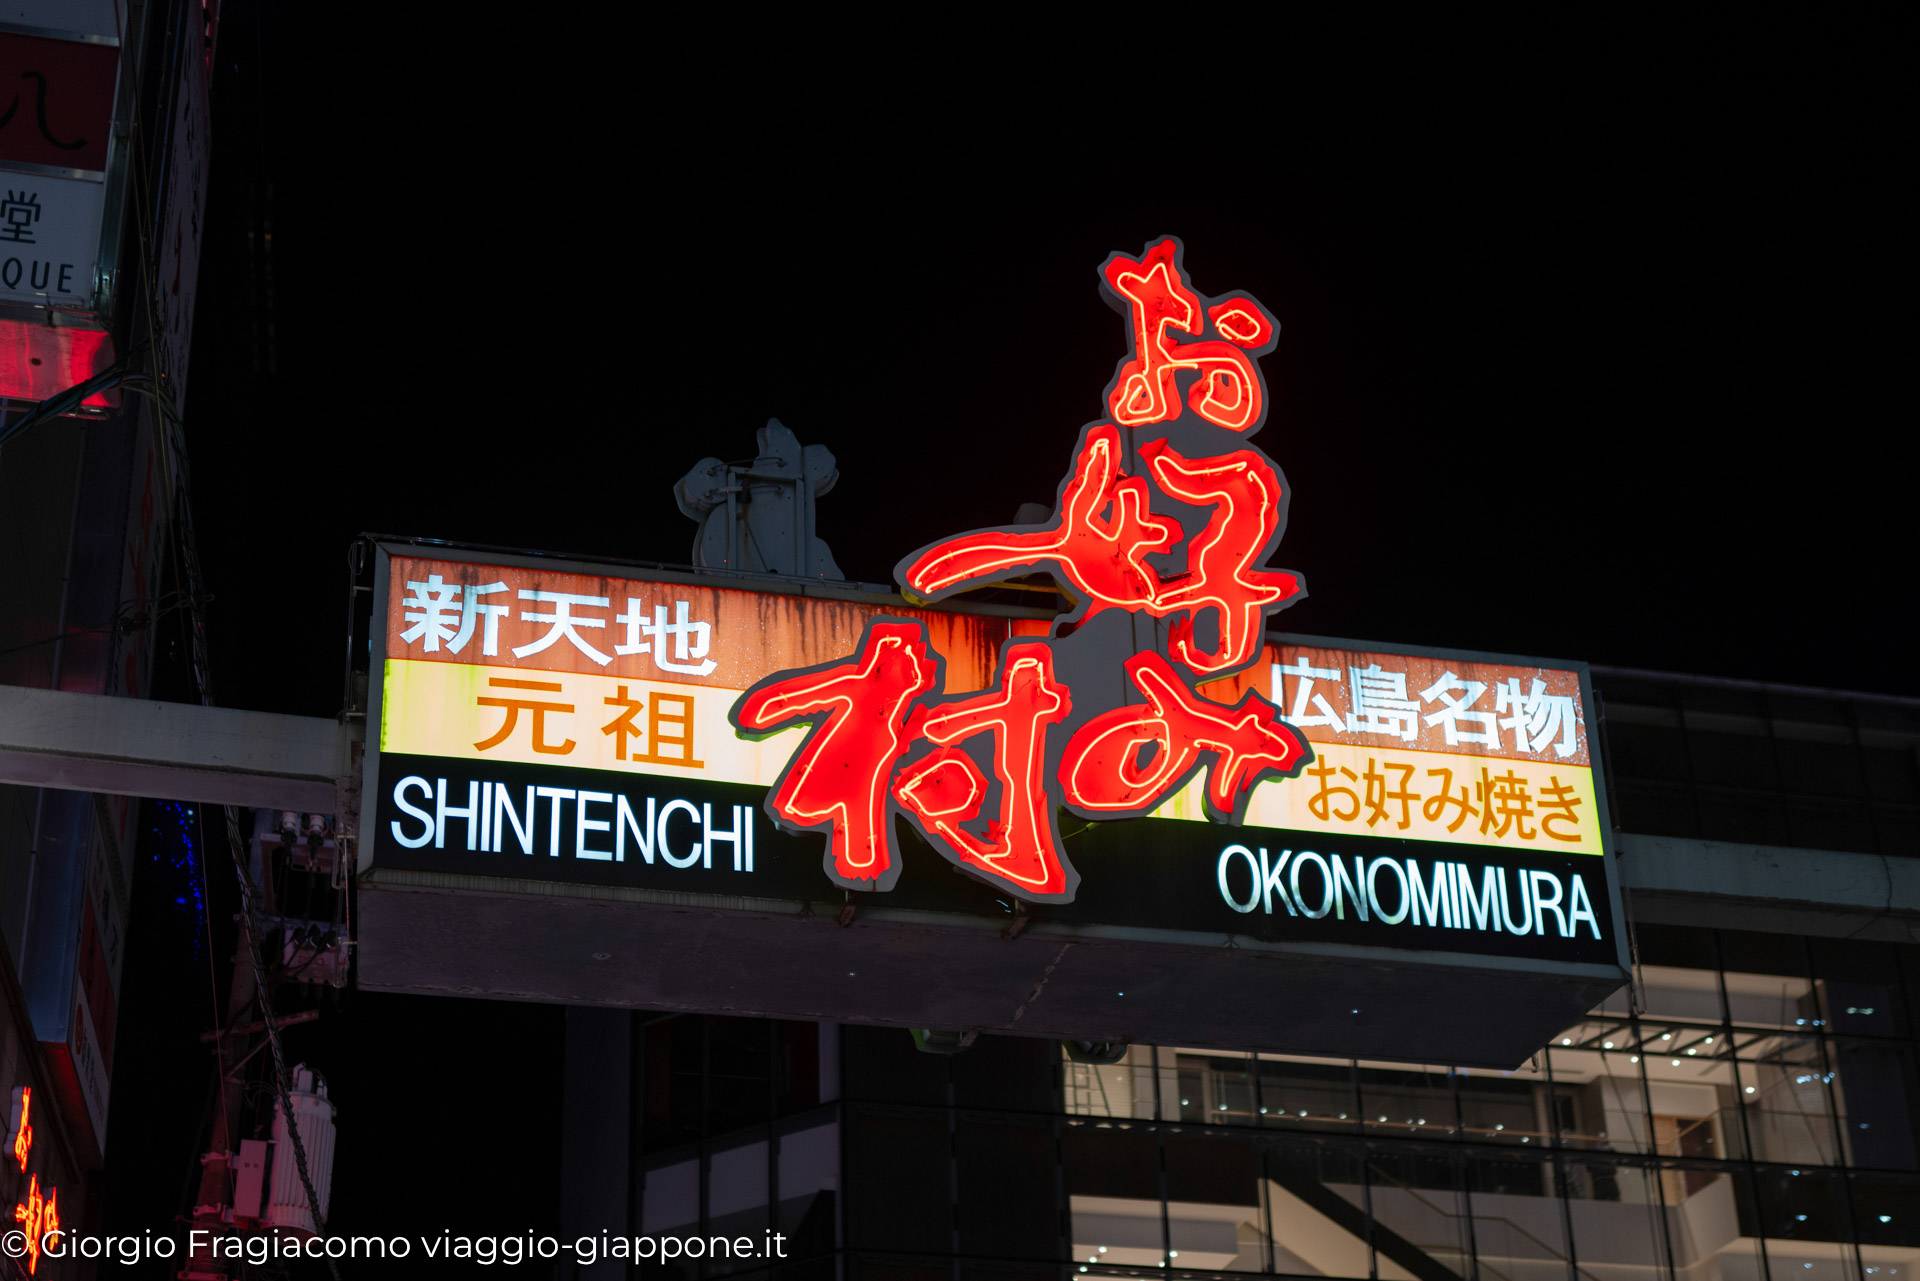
(186, 863)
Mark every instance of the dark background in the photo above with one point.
(1594, 344)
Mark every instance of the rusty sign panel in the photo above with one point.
(558, 807)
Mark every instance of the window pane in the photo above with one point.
(1518, 1226)
(1875, 1088)
(1318, 1208)
(1617, 1215)
(1216, 1089)
(1599, 1099)
(910, 1208)
(739, 1072)
(1111, 1161)
(1803, 1217)
(883, 1066)
(1214, 1212)
(1123, 1089)
(1710, 1224)
(1789, 1113)
(808, 1167)
(1415, 1102)
(1420, 1217)
(1007, 1206)
(737, 1200)
(1113, 1191)
(672, 1089)
(671, 1197)
(1006, 1073)
(1768, 984)
(796, 1052)
(1886, 1215)
(1691, 1091)
(1674, 993)
(1499, 1107)
(1860, 987)
(1307, 1095)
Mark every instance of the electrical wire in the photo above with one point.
(171, 449)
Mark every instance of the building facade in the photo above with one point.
(105, 180)
(1746, 1110)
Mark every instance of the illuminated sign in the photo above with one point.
(39, 1218)
(1152, 767)
(21, 1129)
(626, 731)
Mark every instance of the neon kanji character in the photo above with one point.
(1104, 557)
(39, 1218)
(945, 788)
(1101, 771)
(1505, 798)
(857, 712)
(1537, 716)
(564, 622)
(1379, 795)
(1244, 492)
(514, 706)
(23, 1133)
(1380, 703)
(1557, 803)
(1304, 676)
(699, 633)
(1457, 698)
(1435, 806)
(1321, 802)
(432, 612)
(1155, 293)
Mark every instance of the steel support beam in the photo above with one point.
(1674, 880)
(178, 751)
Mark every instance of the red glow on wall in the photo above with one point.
(1102, 773)
(858, 711)
(1159, 301)
(38, 361)
(945, 788)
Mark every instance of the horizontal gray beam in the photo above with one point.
(179, 751)
(1673, 880)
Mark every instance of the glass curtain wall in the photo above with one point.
(1746, 1113)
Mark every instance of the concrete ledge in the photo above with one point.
(1671, 880)
(211, 755)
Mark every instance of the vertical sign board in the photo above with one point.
(57, 96)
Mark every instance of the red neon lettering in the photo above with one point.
(39, 1218)
(23, 1133)
(1245, 495)
(858, 710)
(1101, 771)
(1241, 322)
(1158, 298)
(1103, 557)
(945, 788)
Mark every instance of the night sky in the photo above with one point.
(1607, 359)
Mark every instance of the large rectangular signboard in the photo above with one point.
(553, 763)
